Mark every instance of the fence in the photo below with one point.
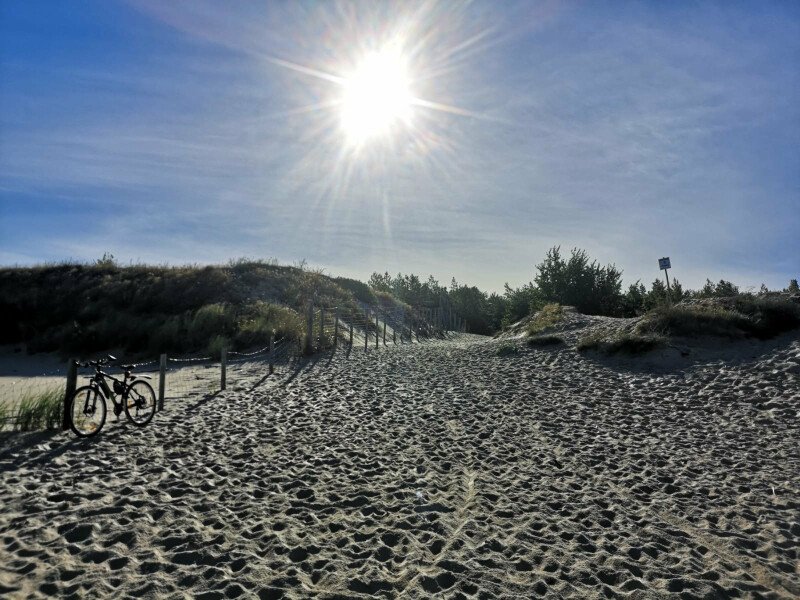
(327, 326)
(38, 402)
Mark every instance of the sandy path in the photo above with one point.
(438, 469)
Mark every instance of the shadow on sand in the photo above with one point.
(682, 354)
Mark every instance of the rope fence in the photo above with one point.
(38, 402)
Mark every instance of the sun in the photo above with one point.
(376, 97)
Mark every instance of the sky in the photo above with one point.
(202, 131)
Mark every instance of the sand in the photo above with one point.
(429, 470)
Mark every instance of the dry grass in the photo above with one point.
(737, 317)
(549, 316)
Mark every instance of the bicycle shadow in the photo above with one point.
(25, 452)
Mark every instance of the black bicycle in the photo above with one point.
(87, 409)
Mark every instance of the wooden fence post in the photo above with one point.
(336, 326)
(366, 330)
(272, 353)
(223, 369)
(162, 380)
(322, 328)
(72, 383)
(351, 334)
(309, 327)
(377, 329)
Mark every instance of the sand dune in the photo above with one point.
(433, 470)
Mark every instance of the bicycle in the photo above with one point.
(87, 409)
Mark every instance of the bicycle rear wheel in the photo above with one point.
(140, 405)
(87, 411)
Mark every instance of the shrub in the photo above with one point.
(577, 282)
(768, 316)
(549, 316)
(210, 321)
(259, 320)
(359, 289)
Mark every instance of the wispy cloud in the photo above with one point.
(651, 131)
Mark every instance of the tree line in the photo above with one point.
(575, 280)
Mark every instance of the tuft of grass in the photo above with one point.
(36, 411)
(548, 316)
(216, 345)
(507, 350)
(623, 343)
(742, 316)
(545, 340)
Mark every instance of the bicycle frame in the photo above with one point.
(98, 381)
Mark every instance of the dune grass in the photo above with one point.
(620, 343)
(35, 411)
(738, 317)
(142, 310)
(549, 316)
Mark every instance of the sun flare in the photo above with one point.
(376, 96)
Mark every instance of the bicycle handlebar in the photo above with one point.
(97, 363)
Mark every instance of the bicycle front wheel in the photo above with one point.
(87, 411)
(140, 405)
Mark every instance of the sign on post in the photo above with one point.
(664, 264)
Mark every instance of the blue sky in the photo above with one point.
(184, 132)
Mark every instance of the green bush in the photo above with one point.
(577, 282)
(361, 291)
(212, 320)
(261, 319)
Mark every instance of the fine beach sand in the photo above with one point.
(439, 469)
